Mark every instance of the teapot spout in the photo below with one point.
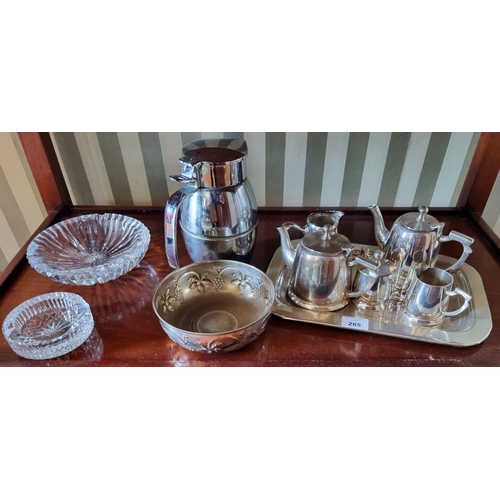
(287, 250)
(381, 232)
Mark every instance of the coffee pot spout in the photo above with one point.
(381, 232)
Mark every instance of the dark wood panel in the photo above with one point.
(46, 170)
(482, 173)
(127, 332)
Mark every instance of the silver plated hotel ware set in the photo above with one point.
(403, 288)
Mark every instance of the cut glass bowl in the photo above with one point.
(89, 249)
(48, 325)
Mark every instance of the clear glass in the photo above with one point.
(48, 325)
(89, 249)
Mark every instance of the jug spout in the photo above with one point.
(381, 232)
(287, 250)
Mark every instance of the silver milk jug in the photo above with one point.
(216, 209)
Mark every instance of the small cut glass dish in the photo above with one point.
(89, 249)
(48, 326)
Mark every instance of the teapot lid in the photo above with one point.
(420, 221)
(327, 241)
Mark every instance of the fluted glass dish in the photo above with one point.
(48, 325)
(89, 249)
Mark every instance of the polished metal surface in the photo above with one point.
(374, 297)
(467, 329)
(214, 306)
(216, 210)
(414, 232)
(429, 295)
(320, 269)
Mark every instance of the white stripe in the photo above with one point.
(496, 227)
(134, 166)
(491, 210)
(256, 164)
(93, 162)
(295, 168)
(414, 161)
(171, 151)
(373, 170)
(333, 174)
(451, 168)
(19, 183)
(27, 169)
(8, 242)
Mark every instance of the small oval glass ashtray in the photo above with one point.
(89, 249)
(48, 325)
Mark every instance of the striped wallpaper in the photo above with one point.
(286, 169)
(21, 207)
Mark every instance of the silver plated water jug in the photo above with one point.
(216, 209)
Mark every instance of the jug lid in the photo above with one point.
(327, 241)
(419, 221)
(215, 150)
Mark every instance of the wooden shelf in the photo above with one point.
(127, 332)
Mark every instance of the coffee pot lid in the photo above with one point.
(215, 151)
(327, 241)
(419, 221)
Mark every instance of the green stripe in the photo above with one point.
(73, 164)
(465, 168)
(12, 211)
(233, 135)
(432, 166)
(190, 137)
(398, 146)
(155, 170)
(314, 168)
(354, 164)
(275, 168)
(115, 167)
(3, 261)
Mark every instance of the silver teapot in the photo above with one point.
(416, 232)
(216, 209)
(320, 268)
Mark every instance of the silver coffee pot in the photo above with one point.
(320, 268)
(216, 209)
(416, 232)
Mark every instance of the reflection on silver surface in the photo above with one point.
(469, 328)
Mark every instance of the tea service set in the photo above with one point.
(217, 212)
(399, 275)
(219, 303)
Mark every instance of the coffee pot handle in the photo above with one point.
(171, 217)
(467, 298)
(466, 242)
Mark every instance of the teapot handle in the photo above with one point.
(466, 242)
(171, 217)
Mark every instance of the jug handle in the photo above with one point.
(466, 242)
(467, 298)
(171, 217)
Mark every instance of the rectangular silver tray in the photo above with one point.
(469, 328)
